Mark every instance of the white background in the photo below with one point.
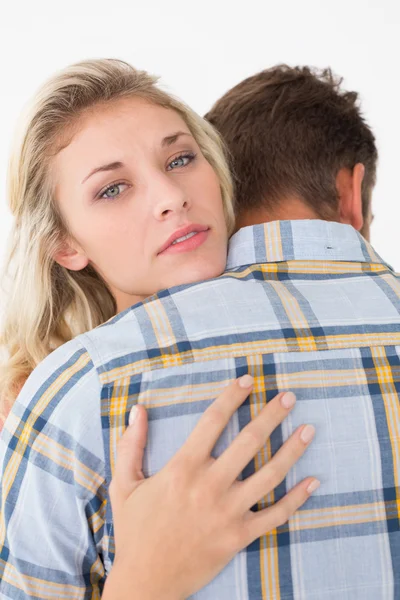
(202, 48)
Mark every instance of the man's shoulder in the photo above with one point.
(256, 301)
(63, 391)
(70, 359)
(169, 317)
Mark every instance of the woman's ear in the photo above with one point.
(71, 257)
(348, 185)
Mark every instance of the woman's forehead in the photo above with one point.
(108, 132)
(124, 120)
(134, 113)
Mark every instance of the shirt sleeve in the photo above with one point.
(52, 489)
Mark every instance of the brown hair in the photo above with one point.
(289, 132)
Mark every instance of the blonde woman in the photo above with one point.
(92, 236)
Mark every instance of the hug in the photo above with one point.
(202, 348)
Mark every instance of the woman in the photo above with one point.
(108, 167)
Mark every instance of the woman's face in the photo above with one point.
(140, 201)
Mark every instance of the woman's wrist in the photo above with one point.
(124, 583)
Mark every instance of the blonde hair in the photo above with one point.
(47, 305)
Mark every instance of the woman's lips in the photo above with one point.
(187, 245)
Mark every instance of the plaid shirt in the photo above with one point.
(306, 306)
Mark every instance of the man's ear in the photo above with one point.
(71, 257)
(348, 185)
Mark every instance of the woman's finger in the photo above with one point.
(252, 438)
(129, 464)
(274, 472)
(214, 420)
(260, 523)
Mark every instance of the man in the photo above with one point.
(301, 151)
(295, 137)
(306, 305)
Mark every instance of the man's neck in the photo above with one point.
(287, 210)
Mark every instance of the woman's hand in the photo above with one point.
(176, 530)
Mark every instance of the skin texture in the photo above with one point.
(159, 189)
(349, 209)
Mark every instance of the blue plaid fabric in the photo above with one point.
(306, 306)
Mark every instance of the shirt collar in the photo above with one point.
(279, 241)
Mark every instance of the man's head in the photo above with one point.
(300, 147)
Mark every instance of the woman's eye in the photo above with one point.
(180, 161)
(112, 191)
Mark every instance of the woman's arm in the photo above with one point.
(175, 531)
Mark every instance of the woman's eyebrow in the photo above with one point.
(167, 141)
(110, 167)
(171, 139)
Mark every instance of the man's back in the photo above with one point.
(305, 306)
(317, 313)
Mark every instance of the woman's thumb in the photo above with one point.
(129, 465)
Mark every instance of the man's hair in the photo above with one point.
(289, 131)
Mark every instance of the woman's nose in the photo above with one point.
(169, 199)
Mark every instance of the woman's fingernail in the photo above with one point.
(307, 434)
(133, 415)
(288, 400)
(246, 381)
(314, 485)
